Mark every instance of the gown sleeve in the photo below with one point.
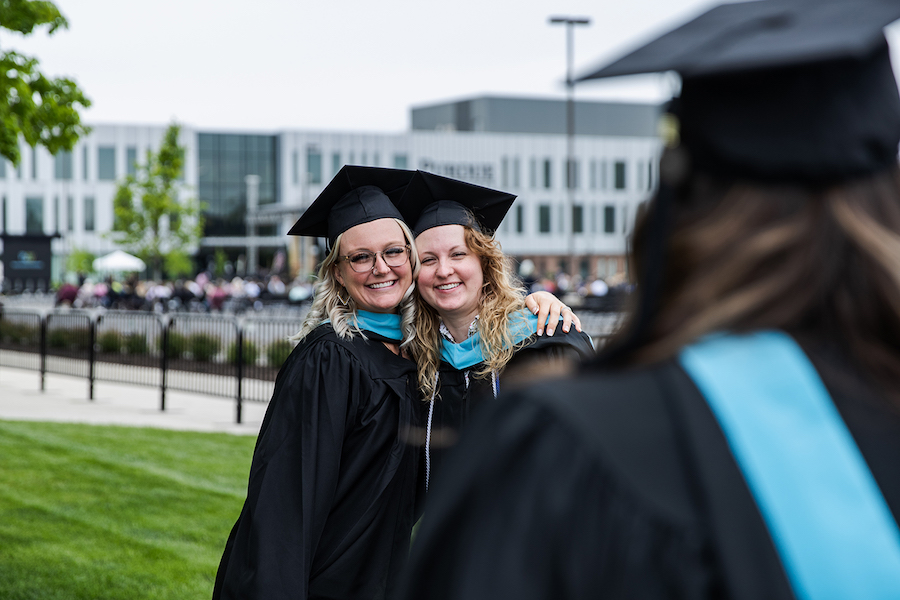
(293, 476)
(528, 510)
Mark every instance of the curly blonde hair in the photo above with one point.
(328, 304)
(502, 296)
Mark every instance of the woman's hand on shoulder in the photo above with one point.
(548, 309)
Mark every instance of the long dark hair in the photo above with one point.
(745, 256)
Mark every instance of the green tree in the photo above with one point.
(43, 111)
(150, 220)
(80, 261)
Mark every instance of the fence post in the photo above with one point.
(92, 330)
(43, 347)
(240, 368)
(166, 323)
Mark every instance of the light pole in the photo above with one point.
(570, 23)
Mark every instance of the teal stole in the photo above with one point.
(387, 325)
(468, 353)
(829, 522)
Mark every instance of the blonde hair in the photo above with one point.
(328, 303)
(502, 296)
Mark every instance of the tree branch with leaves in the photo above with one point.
(150, 219)
(43, 111)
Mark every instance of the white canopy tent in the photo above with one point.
(118, 262)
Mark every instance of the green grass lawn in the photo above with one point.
(97, 512)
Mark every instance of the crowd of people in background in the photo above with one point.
(203, 293)
(208, 293)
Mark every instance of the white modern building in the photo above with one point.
(514, 144)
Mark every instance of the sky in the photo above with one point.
(342, 65)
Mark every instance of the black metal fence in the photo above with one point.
(218, 355)
(225, 356)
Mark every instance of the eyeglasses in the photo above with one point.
(394, 256)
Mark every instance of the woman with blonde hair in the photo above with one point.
(472, 325)
(741, 437)
(329, 505)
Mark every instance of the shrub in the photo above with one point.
(176, 346)
(110, 342)
(204, 346)
(136, 343)
(18, 333)
(251, 353)
(277, 352)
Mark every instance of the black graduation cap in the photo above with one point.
(772, 90)
(432, 200)
(781, 89)
(356, 195)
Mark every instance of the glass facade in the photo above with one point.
(131, 160)
(34, 215)
(223, 162)
(106, 163)
(89, 213)
(620, 175)
(62, 166)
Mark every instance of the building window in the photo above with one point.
(578, 219)
(544, 218)
(336, 162)
(2, 169)
(548, 173)
(624, 218)
(516, 173)
(34, 216)
(3, 215)
(376, 159)
(313, 165)
(560, 219)
(106, 163)
(84, 163)
(572, 174)
(70, 213)
(62, 166)
(604, 183)
(532, 173)
(34, 165)
(649, 175)
(89, 213)
(520, 219)
(593, 218)
(504, 172)
(400, 161)
(131, 161)
(295, 167)
(56, 214)
(620, 175)
(609, 219)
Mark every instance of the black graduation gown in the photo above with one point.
(617, 485)
(457, 400)
(330, 499)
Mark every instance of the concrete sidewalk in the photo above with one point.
(66, 399)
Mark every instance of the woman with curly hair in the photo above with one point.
(472, 325)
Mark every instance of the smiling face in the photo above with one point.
(451, 276)
(380, 288)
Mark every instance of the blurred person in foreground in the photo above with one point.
(474, 335)
(740, 438)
